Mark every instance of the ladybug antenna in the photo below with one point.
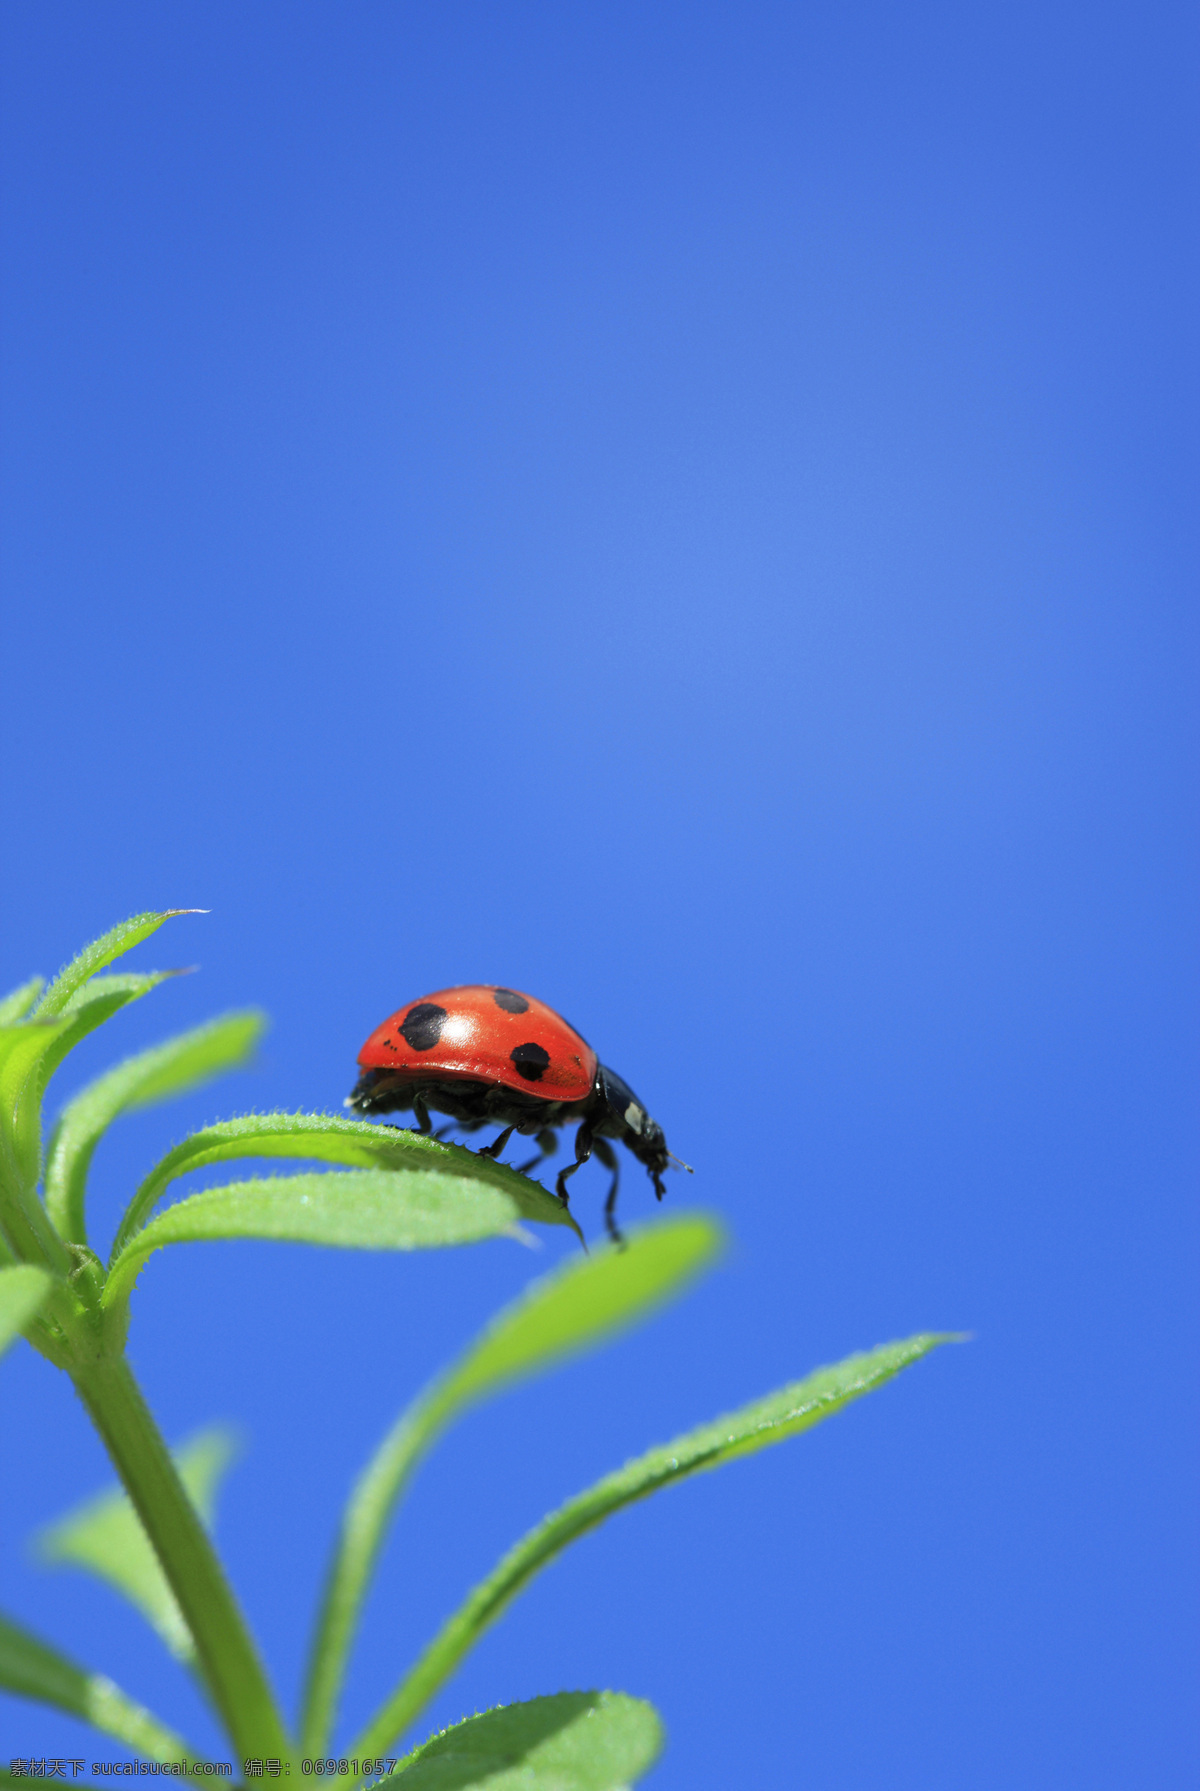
(679, 1163)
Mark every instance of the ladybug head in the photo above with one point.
(633, 1125)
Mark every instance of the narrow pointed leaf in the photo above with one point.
(103, 997)
(23, 1044)
(323, 1137)
(576, 1741)
(105, 1536)
(781, 1414)
(22, 1290)
(29, 1233)
(573, 1308)
(99, 954)
(30, 1668)
(23, 1048)
(579, 1305)
(16, 1005)
(360, 1209)
(172, 1068)
(29, 1066)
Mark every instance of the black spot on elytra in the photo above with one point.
(423, 1024)
(512, 1004)
(531, 1061)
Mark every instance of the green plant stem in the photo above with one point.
(226, 1655)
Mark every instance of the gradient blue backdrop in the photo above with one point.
(678, 508)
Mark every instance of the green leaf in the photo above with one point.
(28, 1233)
(22, 1290)
(17, 1005)
(99, 955)
(178, 1065)
(23, 1044)
(106, 1537)
(103, 997)
(571, 1309)
(577, 1306)
(29, 1065)
(576, 1741)
(362, 1209)
(323, 1137)
(32, 1669)
(781, 1414)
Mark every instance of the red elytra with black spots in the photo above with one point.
(487, 1055)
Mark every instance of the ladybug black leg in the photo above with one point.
(424, 1124)
(608, 1157)
(548, 1143)
(583, 1150)
(497, 1145)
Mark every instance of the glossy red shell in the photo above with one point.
(482, 1038)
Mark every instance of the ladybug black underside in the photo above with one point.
(611, 1110)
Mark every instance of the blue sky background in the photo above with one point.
(680, 509)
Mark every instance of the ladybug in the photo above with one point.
(492, 1056)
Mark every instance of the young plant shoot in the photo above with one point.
(384, 1189)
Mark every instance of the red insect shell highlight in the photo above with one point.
(476, 1040)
